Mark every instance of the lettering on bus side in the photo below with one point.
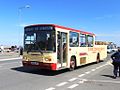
(96, 49)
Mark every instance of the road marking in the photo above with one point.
(98, 67)
(73, 86)
(82, 81)
(93, 69)
(10, 63)
(105, 81)
(61, 84)
(101, 66)
(10, 59)
(105, 64)
(81, 75)
(87, 72)
(50, 88)
(73, 79)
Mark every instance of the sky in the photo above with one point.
(101, 17)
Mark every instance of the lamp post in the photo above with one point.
(20, 20)
(20, 12)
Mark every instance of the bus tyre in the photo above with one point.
(72, 64)
(98, 58)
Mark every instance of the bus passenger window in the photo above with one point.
(74, 39)
(82, 40)
(90, 41)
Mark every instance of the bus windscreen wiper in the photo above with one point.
(38, 47)
(29, 48)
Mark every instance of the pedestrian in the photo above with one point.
(116, 62)
(2, 48)
(21, 50)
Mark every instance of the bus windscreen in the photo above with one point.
(39, 39)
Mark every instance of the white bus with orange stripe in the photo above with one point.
(54, 47)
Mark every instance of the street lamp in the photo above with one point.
(20, 12)
(26, 6)
(20, 18)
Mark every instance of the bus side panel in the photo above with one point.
(91, 55)
(85, 55)
(102, 51)
(81, 54)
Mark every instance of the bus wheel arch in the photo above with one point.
(72, 63)
(98, 58)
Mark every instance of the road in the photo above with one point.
(90, 77)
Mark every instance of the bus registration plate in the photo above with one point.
(34, 63)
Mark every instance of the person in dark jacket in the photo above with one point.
(116, 62)
(21, 50)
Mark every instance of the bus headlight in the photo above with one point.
(48, 59)
(25, 58)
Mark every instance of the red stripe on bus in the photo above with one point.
(62, 27)
(82, 54)
(83, 32)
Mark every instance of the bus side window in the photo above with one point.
(82, 41)
(90, 41)
(74, 39)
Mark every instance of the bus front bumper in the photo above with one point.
(41, 65)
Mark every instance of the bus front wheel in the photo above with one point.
(72, 63)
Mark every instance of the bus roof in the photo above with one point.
(62, 27)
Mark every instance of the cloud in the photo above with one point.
(23, 25)
(109, 35)
(103, 17)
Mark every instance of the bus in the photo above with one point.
(55, 47)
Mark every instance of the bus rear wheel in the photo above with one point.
(72, 64)
(98, 58)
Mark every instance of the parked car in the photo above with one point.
(110, 50)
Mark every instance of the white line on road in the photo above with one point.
(73, 86)
(50, 88)
(87, 72)
(73, 79)
(105, 81)
(81, 75)
(61, 84)
(10, 59)
(109, 63)
(82, 81)
(101, 66)
(105, 64)
(10, 63)
(97, 68)
(93, 69)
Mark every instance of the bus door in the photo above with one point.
(62, 49)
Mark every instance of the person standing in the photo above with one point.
(116, 62)
(2, 48)
(20, 50)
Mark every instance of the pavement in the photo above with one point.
(9, 56)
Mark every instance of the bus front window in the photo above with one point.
(41, 40)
